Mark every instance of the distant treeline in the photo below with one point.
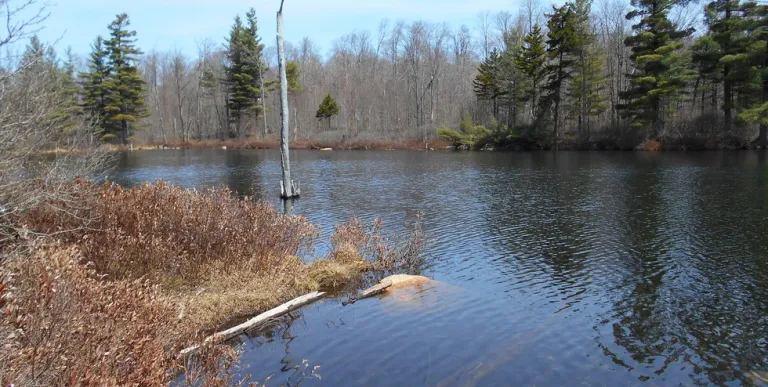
(606, 75)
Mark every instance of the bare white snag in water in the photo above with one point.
(287, 187)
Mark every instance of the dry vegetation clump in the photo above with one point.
(63, 324)
(104, 286)
(356, 249)
(651, 146)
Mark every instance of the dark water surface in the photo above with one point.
(579, 269)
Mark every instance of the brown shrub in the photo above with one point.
(63, 324)
(166, 231)
(65, 321)
(353, 242)
(651, 146)
(129, 276)
(356, 249)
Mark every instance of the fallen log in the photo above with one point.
(370, 292)
(258, 320)
(397, 281)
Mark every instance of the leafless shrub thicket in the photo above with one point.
(41, 148)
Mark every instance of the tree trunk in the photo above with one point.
(763, 139)
(656, 123)
(295, 121)
(287, 183)
(259, 320)
(125, 131)
(727, 83)
(560, 76)
(263, 99)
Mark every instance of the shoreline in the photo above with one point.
(411, 147)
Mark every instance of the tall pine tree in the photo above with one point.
(512, 79)
(589, 62)
(244, 71)
(657, 76)
(40, 61)
(757, 51)
(68, 92)
(487, 83)
(722, 54)
(530, 62)
(94, 98)
(125, 88)
(561, 46)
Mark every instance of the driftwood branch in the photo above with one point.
(258, 320)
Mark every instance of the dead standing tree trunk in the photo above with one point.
(287, 188)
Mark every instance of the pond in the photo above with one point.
(571, 268)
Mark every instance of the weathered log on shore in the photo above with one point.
(258, 320)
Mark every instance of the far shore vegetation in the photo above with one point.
(611, 75)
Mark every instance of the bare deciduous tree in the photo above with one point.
(31, 124)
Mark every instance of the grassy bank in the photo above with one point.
(105, 287)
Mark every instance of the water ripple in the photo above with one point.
(566, 269)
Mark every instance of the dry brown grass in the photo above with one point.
(105, 288)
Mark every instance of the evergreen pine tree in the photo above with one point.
(705, 58)
(37, 57)
(757, 50)
(68, 91)
(292, 74)
(531, 62)
(40, 61)
(94, 94)
(589, 62)
(125, 88)
(561, 46)
(244, 71)
(511, 77)
(657, 76)
(487, 83)
(722, 54)
(327, 109)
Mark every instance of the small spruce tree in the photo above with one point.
(327, 109)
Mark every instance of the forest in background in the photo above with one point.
(597, 75)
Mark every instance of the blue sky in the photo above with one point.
(180, 24)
